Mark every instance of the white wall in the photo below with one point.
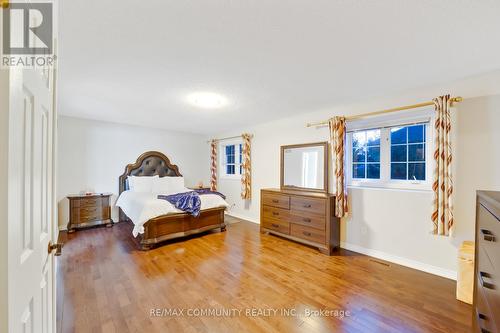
(93, 154)
(394, 224)
(4, 141)
(477, 155)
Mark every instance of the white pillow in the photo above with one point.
(141, 184)
(169, 185)
(176, 185)
(161, 185)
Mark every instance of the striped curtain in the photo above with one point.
(442, 186)
(246, 175)
(337, 140)
(213, 165)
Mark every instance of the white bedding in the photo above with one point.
(141, 207)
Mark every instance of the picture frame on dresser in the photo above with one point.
(302, 210)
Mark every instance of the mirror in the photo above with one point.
(305, 167)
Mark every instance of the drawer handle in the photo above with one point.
(276, 213)
(306, 233)
(275, 201)
(274, 225)
(481, 316)
(306, 220)
(307, 206)
(484, 275)
(488, 235)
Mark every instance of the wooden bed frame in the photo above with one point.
(170, 226)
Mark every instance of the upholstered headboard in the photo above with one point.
(151, 163)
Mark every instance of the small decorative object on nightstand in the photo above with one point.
(200, 186)
(89, 210)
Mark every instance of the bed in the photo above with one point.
(154, 220)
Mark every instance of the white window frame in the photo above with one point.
(222, 163)
(385, 124)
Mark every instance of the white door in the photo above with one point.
(31, 219)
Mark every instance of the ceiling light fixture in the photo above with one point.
(207, 100)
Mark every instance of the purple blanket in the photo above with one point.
(188, 202)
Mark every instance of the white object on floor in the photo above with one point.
(465, 276)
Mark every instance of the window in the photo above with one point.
(391, 156)
(408, 152)
(366, 154)
(231, 160)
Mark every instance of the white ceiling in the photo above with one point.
(135, 61)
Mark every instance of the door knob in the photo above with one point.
(57, 246)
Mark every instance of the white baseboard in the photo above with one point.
(242, 217)
(446, 273)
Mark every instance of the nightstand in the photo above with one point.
(89, 210)
(200, 188)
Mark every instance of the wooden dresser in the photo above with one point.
(486, 314)
(306, 217)
(89, 210)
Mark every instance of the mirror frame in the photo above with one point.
(325, 167)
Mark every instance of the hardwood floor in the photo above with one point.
(107, 285)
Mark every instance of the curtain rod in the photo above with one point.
(457, 99)
(228, 138)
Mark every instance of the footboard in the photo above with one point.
(173, 226)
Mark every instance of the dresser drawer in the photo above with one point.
(97, 210)
(276, 225)
(89, 218)
(308, 219)
(483, 316)
(488, 280)
(307, 233)
(90, 214)
(310, 205)
(87, 202)
(489, 235)
(269, 212)
(276, 200)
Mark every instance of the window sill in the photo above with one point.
(393, 187)
(236, 177)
